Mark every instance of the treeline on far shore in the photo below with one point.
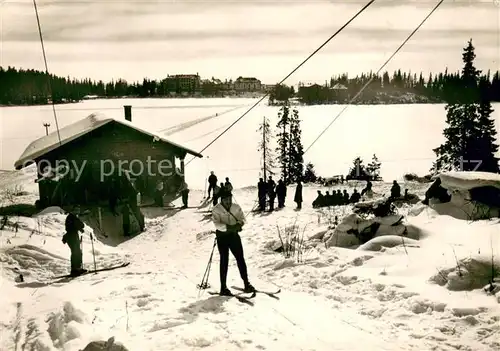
(31, 87)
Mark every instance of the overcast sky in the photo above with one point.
(105, 39)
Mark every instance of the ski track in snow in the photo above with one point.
(337, 299)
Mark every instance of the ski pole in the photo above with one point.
(203, 284)
(93, 253)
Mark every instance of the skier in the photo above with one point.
(227, 185)
(212, 182)
(281, 193)
(184, 190)
(298, 195)
(74, 225)
(261, 194)
(271, 185)
(229, 219)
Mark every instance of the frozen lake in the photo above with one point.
(402, 136)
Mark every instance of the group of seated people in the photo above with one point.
(336, 198)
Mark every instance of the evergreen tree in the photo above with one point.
(358, 170)
(283, 140)
(296, 149)
(310, 174)
(373, 168)
(470, 135)
(264, 146)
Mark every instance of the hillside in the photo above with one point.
(335, 299)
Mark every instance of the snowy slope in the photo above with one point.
(408, 297)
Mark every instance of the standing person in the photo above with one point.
(228, 186)
(395, 190)
(281, 193)
(212, 182)
(298, 195)
(262, 193)
(217, 190)
(271, 192)
(184, 190)
(159, 193)
(74, 225)
(368, 189)
(229, 219)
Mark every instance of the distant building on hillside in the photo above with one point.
(243, 84)
(183, 83)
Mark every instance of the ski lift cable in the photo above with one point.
(376, 73)
(49, 78)
(289, 74)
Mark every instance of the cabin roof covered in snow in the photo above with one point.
(469, 180)
(45, 144)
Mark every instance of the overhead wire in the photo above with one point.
(376, 73)
(286, 77)
(49, 78)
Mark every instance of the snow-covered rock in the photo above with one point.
(474, 195)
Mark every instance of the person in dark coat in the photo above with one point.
(328, 200)
(319, 201)
(217, 190)
(346, 197)
(228, 186)
(73, 226)
(298, 195)
(340, 197)
(355, 197)
(262, 193)
(184, 190)
(281, 193)
(271, 192)
(395, 190)
(212, 182)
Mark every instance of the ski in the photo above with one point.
(243, 299)
(125, 264)
(268, 293)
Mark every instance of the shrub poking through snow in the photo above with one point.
(292, 241)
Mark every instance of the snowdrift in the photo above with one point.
(474, 195)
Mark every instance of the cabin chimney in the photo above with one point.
(128, 112)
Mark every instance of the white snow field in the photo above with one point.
(420, 294)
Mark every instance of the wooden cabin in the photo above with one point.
(105, 163)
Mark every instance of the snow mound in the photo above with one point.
(376, 244)
(474, 195)
(469, 180)
(468, 274)
(354, 230)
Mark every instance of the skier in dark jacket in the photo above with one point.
(74, 225)
(261, 193)
(212, 182)
(281, 193)
(271, 192)
(298, 195)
